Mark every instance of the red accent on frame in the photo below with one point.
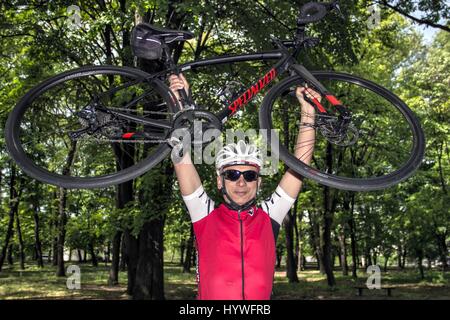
(128, 135)
(316, 102)
(321, 108)
(333, 100)
(244, 98)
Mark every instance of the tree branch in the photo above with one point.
(270, 14)
(419, 21)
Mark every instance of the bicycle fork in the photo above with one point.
(344, 114)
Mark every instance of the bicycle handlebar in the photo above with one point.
(314, 11)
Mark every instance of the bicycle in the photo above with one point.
(97, 126)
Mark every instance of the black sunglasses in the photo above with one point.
(234, 175)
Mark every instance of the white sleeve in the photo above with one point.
(278, 205)
(199, 204)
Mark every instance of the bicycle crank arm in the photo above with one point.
(203, 126)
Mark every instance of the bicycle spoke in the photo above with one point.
(364, 148)
(47, 135)
(95, 111)
(307, 153)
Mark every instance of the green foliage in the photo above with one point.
(36, 43)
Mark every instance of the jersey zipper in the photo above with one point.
(242, 253)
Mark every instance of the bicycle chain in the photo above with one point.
(315, 126)
(91, 138)
(144, 112)
(122, 140)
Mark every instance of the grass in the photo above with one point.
(313, 285)
(36, 283)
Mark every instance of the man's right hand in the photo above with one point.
(178, 83)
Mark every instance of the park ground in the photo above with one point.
(36, 283)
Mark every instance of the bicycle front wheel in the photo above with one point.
(382, 145)
(76, 130)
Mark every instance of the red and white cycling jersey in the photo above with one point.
(236, 250)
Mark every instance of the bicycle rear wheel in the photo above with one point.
(63, 131)
(383, 145)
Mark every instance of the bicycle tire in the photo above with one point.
(336, 181)
(13, 143)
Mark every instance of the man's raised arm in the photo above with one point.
(304, 148)
(187, 175)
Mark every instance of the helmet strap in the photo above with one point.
(233, 205)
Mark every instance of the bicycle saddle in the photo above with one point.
(167, 35)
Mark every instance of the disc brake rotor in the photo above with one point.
(333, 134)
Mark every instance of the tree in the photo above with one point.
(432, 11)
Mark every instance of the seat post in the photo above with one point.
(185, 99)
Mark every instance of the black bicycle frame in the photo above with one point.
(286, 62)
(246, 96)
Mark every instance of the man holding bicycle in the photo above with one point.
(236, 239)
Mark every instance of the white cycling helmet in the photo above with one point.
(238, 154)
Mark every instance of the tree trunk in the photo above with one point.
(10, 254)
(80, 257)
(353, 240)
(419, 254)
(149, 274)
(54, 228)
(114, 270)
(131, 258)
(37, 240)
(299, 246)
(124, 192)
(329, 207)
(405, 251)
(20, 238)
(62, 216)
(194, 258)
(149, 282)
(124, 195)
(62, 221)
(279, 256)
(443, 251)
(291, 267)
(386, 260)
(189, 252)
(182, 251)
(399, 256)
(108, 253)
(8, 235)
(13, 208)
(123, 252)
(429, 263)
(374, 256)
(328, 220)
(94, 259)
(55, 250)
(343, 252)
(367, 258)
(316, 241)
